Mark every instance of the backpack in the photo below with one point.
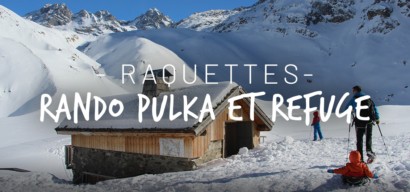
(370, 111)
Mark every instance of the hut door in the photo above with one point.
(237, 135)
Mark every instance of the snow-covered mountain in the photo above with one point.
(51, 15)
(205, 21)
(59, 16)
(100, 22)
(36, 60)
(152, 19)
(306, 17)
(338, 59)
(280, 16)
(288, 16)
(337, 41)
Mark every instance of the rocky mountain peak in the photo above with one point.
(378, 17)
(100, 22)
(304, 17)
(281, 16)
(103, 14)
(152, 19)
(82, 13)
(51, 15)
(205, 21)
(331, 11)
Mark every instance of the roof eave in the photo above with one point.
(259, 112)
(71, 131)
(200, 127)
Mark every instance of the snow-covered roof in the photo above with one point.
(128, 120)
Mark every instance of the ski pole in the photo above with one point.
(387, 149)
(348, 138)
(348, 142)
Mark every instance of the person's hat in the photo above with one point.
(357, 88)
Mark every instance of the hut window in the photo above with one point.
(171, 147)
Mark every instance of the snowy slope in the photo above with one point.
(126, 48)
(15, 92)
(338, 59)
(36, 59)
(286, 17)
(307, 17)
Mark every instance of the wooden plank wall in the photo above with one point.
(256, 134)
(132, 144)
(114, 143)
(214, 132)
(145, 145)
(217, 128)
(193, 146)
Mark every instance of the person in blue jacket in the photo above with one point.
(364, 127)
(316, 126)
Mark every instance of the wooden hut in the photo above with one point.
(123, 147)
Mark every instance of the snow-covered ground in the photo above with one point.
(287, 161)
(394, 121)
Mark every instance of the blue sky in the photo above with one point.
(129, 9)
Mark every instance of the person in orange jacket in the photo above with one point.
(355, 170)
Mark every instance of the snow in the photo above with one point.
(243, 151)
(277, 32)
(393, 120)
(205, 21)
(129, 120)
(9, 50)
(59, 16)
(113, 51)
(287, 161)
(48, 63)
(277, 166)
(338, 56)
(29, 144)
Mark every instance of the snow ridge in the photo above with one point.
(101, 22)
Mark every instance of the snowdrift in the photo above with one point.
(122, 48)
(35, 60)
